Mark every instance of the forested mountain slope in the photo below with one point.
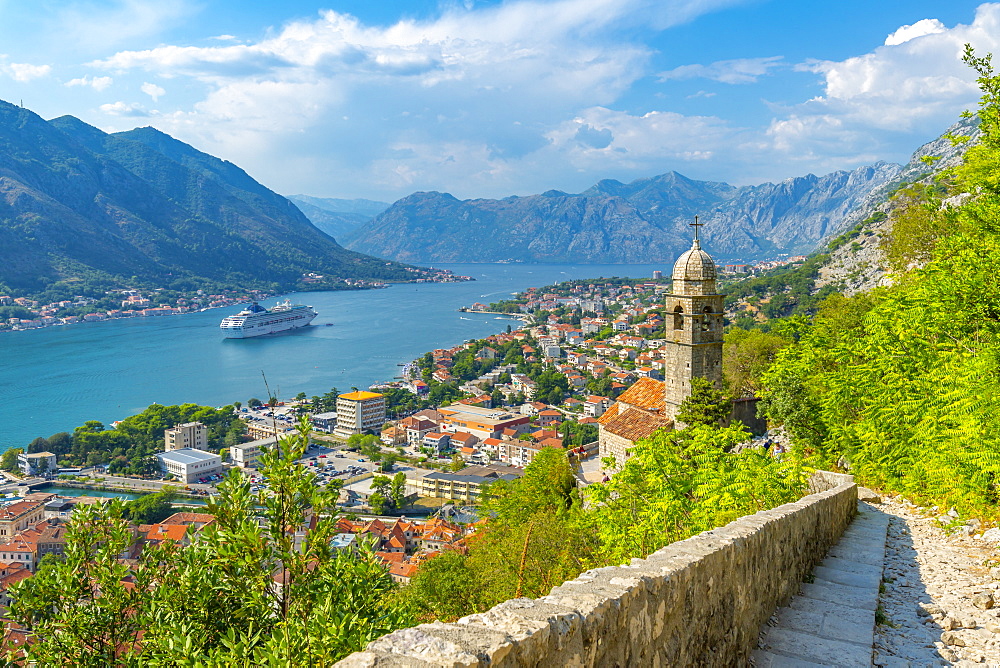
(77, 203)
(902, 383)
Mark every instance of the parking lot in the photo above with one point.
(283, 415)
(328, 463)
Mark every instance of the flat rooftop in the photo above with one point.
(478, 411)
(360, 395)
(188, 456)
(259, 443)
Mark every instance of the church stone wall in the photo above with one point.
(613, 445)
(745, 411)
(699, 601)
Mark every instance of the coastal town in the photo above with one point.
(585, 371)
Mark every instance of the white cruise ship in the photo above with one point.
(257, 320)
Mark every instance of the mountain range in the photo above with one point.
(644, 221)
(79, 204)
(338, 217)
(639, 222)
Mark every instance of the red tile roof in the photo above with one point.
(18, 509)
(634, 424)
(645, 393)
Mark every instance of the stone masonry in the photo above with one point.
(694, 327)
(699, 601)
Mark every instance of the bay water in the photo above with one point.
(56, 378)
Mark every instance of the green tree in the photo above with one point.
(388, 462)
(213, 602)
(79, 608)
(704, 406)
(151, 508)
(8, 461)
(397, 490)
(377, 503)
(679, 483)
(746, 357)
(38, 445)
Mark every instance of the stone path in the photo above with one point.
(939, 592)
(831, 622)
(906, 587)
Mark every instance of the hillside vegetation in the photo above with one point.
(902, 384)
(97, 211)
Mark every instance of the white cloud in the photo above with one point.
(24, 72)
(915, 83)
(120, 108)
(518, 96)
(489, 83)
(743, 70)
(918, 29)
(97, 83)
(152, 90)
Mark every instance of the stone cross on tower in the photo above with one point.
(696, 225)
(694, 326)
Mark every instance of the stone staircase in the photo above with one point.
(831, 622)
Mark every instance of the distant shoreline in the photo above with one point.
(177, 310)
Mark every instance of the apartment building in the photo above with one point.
(192, 435)
(245, 455)
(359, 413)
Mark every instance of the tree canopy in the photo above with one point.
(244, 592)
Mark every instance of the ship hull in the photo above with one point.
(273, 323)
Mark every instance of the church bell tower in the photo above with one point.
(693, 325)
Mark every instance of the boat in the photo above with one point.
(255, 320)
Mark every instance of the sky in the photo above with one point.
(355, 98)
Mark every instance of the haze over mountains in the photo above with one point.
(338, 217)
(76, 202)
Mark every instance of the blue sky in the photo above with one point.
(356, 98)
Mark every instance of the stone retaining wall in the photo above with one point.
(699, 601)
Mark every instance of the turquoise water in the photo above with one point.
(56, 378)
(74, 491)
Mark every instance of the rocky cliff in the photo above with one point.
(643, 221)
(859, 265)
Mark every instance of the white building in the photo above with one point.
(245, 455)
(189, 435)
(325, 421)
(359, 413)
(188, 464)
(36, 463)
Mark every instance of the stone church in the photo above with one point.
(693, 350)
